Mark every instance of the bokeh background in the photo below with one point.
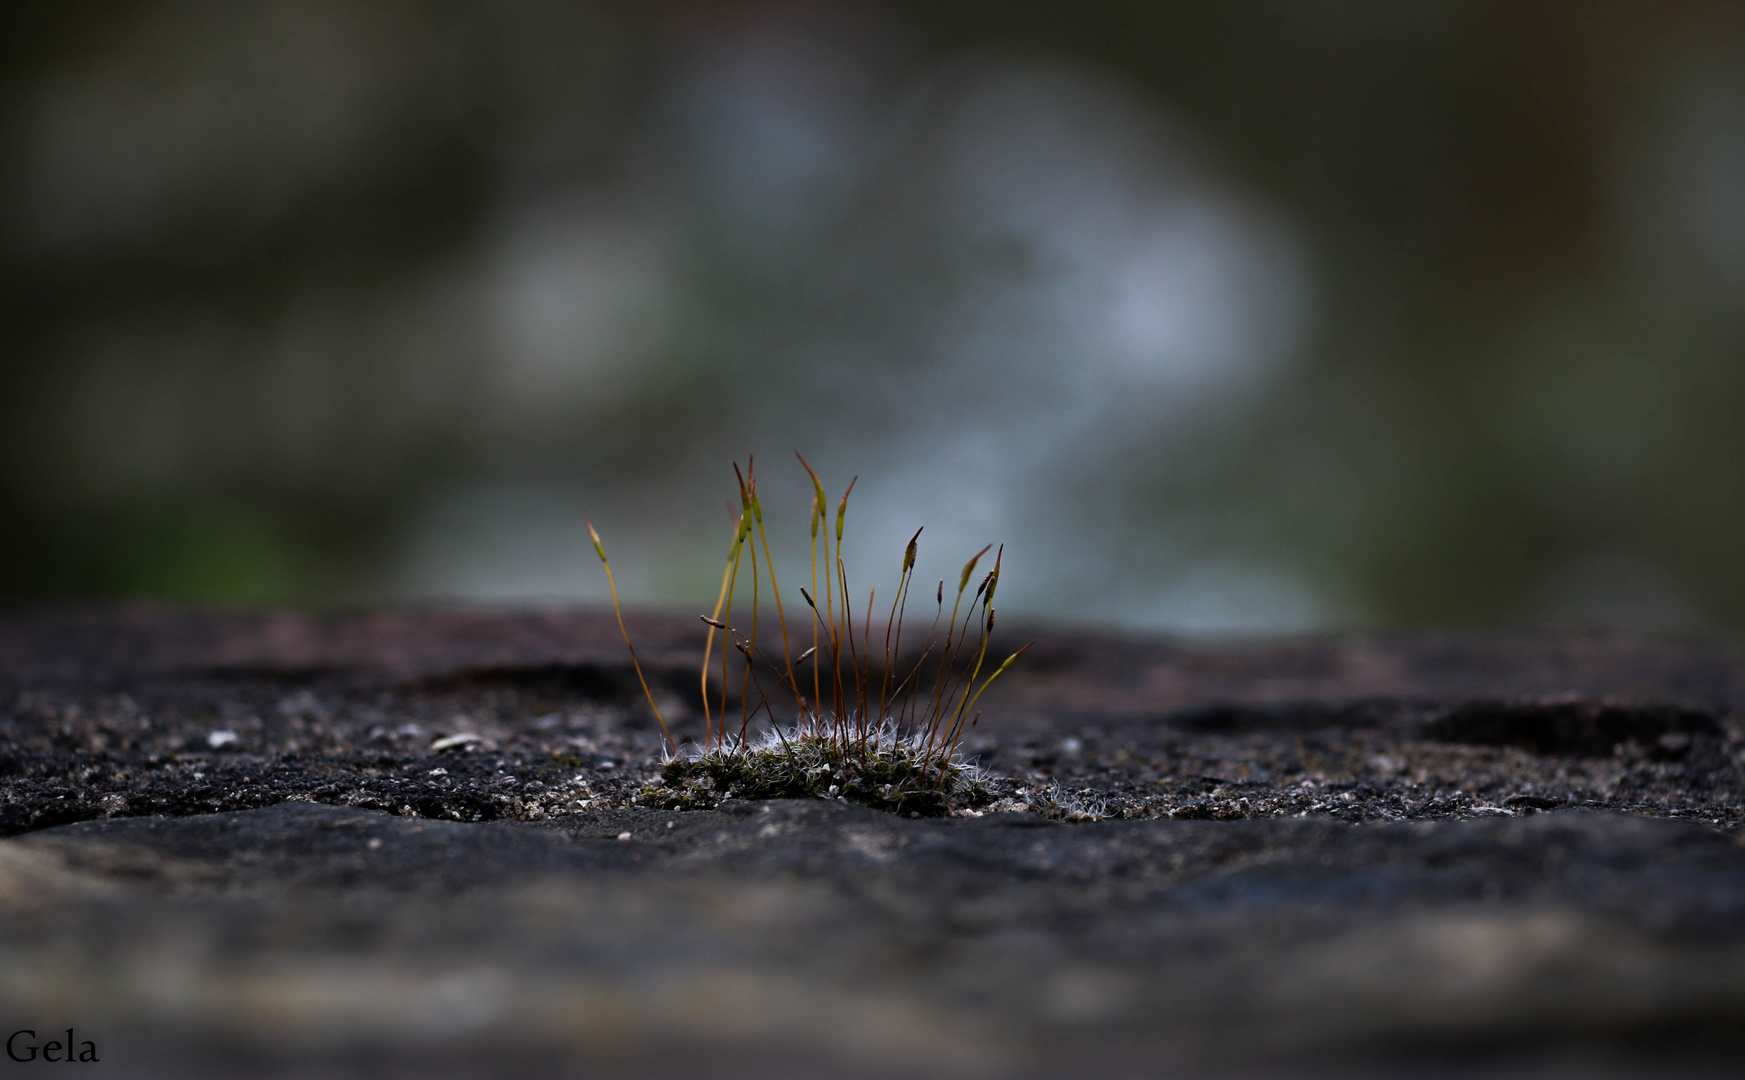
(1224, 317)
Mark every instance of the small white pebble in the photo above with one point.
(437, 772)
(220, 739)
(375, 843)
(1071, 746)
(447, 742)
(670, 824)
(623, 836)
(607, 765)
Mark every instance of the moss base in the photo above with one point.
(882, 771)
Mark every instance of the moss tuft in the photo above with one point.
(876, 736)
(886, 772)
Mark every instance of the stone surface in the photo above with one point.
(236, 850)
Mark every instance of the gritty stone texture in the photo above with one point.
(430, 844)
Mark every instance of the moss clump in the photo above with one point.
(885, 771)
(848, 743)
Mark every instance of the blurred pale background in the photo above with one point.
(1224, 317)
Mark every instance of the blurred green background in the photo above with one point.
(1225, 317)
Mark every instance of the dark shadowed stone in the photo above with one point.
(425, 844)
(1576, 727)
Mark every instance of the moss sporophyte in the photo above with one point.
(884, 734)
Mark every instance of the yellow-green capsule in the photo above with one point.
(1007, 663)
(842, 510)
(969, 568)
(599, 548)
(819, 501)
